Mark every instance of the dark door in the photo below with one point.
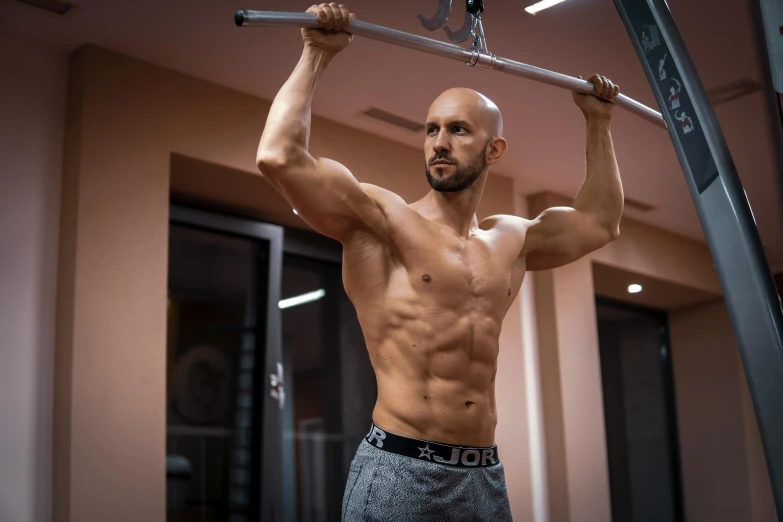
(640, 418)
(225, 374)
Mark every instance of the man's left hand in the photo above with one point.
(600, 104)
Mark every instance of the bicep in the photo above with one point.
(326, 196)
(561, 235)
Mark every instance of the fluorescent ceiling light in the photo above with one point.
(540, 6)
(295, 212)
(634, 289)
(301, 299)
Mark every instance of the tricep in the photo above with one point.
(324, 193)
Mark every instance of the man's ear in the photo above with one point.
(495, 150)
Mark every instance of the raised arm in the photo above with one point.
(560, 235)
(324, 193)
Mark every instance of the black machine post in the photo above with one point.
(751, 298)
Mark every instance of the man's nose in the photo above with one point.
(441, 143)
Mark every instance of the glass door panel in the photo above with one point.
(223, 426)
(333, 387)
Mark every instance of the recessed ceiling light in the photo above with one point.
(634, 289)
(295, 212)
(540, 6)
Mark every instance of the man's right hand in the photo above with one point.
(331, 38)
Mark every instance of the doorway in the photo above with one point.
(639, 413)
(270, 388)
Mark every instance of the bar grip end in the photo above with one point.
(239, 18)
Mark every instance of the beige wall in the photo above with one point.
(512, 434)
(723, 468)
(709, 415)
(125, 119)
(32, 109)
(570, 368)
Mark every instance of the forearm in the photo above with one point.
(286, 135)
(602, 193)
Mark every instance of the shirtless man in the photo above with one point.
(431, 284)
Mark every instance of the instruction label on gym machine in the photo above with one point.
(673, 97)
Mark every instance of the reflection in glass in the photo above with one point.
(333, 387)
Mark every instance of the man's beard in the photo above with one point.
(463, 176)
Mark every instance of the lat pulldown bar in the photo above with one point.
(473, 57)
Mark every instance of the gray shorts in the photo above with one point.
(387, 486)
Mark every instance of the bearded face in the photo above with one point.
(463, 175)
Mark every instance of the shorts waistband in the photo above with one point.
(436, 452)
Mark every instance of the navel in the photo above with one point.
(468, 404)
(426, 278)
(509, 292)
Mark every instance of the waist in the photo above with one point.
(447, 411)
(453, 455)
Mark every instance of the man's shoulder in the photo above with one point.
(504, 223)
(382, 195)
(390, 203)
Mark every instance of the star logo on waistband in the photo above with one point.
(426, 452)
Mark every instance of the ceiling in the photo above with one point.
(544, 129)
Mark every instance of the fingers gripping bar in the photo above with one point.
(445, 50)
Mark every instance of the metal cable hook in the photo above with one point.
(481, 57)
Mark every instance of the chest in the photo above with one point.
(438, 265)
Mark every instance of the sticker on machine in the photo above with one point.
(651, 38)
(661, 68)
(685, 120)
(674, 94)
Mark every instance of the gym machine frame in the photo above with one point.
(750, 295)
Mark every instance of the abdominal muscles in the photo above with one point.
(435, 365)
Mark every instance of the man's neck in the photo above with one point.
(456, 210)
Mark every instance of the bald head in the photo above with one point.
(472, 106)
(463, 139)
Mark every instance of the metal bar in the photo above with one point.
(445, 50)
(751, 298)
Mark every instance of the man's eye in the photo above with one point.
(459, 129)
(432, 130)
